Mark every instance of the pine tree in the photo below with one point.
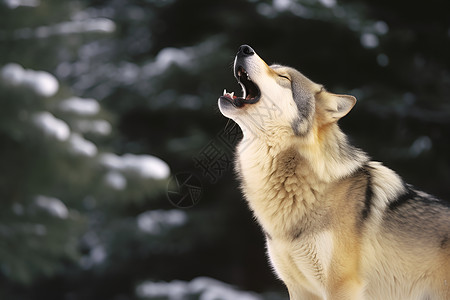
(60, 171)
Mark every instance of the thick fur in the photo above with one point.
(338, 225)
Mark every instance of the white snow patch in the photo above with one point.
(369, 40)
(81, 106)
(79, 145)
(42, 83)
(282, 5)
(115, 180)
(167, 57)
(96, 256)
(53, 206)
(279, 6)
(16, 3)
(70, 27)
(89, 25)
(206, 288)
(146, 166)
(175, 290)
(51, 126)
(328, 3)
(153, 221)
(12, 74)
(112, 161)
(381, 27)
(127, 73)
(101, 127)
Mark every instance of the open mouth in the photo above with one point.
(251, 92)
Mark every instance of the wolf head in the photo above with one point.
(278, 99)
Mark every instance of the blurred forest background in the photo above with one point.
(104, 104)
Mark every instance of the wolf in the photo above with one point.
(337, 225)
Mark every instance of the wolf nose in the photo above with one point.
(245, 50)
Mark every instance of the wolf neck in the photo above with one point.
(284, 176)
(326, 151)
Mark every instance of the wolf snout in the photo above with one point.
(245, 50)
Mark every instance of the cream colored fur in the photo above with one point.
(308, 191)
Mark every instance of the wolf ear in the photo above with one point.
(332, 107)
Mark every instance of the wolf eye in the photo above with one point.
(285, 77)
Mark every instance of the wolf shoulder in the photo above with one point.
(403, 211)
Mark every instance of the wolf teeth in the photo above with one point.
(225, 93)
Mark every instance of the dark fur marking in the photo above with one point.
(304, 108)
(287, 162)
(445, 242)
(296, 127)
(402, 199)
(297, 234)
(368, 195)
